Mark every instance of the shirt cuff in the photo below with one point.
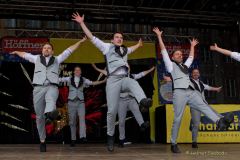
(93, 40)
(234, 54)
(69, 50)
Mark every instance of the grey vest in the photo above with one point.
(114, 60)
(76, 91)
(43, 71)
(179, 78)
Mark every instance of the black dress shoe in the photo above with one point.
(110, 143)
(73, 143)
(224, 122)
(194, 145)
(144, 126)
(52, 115)
(83, 140)
(121, 143)
(43, 147)
(221, 126)
(145, 103)
(175, 149)
(229, 118)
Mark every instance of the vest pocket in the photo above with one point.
(54, 72)
(37, 71)
(113, 61)
(178, 78)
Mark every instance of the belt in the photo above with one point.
(189, 87)
(76, 99)
(49, 84)
(119, 76)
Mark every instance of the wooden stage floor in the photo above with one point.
(130, 152)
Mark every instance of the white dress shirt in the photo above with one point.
(60, 58)
(206, 87)
(138, 76)
(169, 63)
(86, 82)
(235, 55)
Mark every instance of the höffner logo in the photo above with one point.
(23, 44)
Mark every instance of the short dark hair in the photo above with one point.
(77, 67)
(176, 51)
(48, 43)
(116, 33)
(195, 69)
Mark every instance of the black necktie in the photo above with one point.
(182, 67)
(118, 50)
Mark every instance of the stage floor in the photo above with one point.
(130, 152)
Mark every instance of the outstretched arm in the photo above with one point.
(27, 56)
(135, 47)
(103, 71)
(210, 88)
(220, 50)
(66, 53)
(94, 83)
(97, 42)
(64, 79)
(193, 43)
(80, 19)
(142, 74)
(19, 53)
(166, 59)
(234, 55)
(148, 71)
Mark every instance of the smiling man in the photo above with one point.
(116, 55)
(45, 82)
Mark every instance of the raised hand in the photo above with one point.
(194, 42)
(83, 39)
(140, 43)
(157, 31)
(214, 47)
(76, 17)
(219, 89)
(14, 52)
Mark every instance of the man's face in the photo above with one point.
(77, 71)
(47, 50)
(117, 39)
(195, 74)
(177, 56)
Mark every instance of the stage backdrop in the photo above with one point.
(207, 129)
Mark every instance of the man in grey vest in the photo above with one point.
(184, 91)
(116, 56)
(45, 81)
(76, 104)
(128, 102)
(195, 114)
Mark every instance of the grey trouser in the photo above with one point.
(126, 103)
(181, 97)
(44, 100)
(196, 118)
(115, 85)
(77, 107)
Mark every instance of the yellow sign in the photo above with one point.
(207, 129)
(88, 53)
